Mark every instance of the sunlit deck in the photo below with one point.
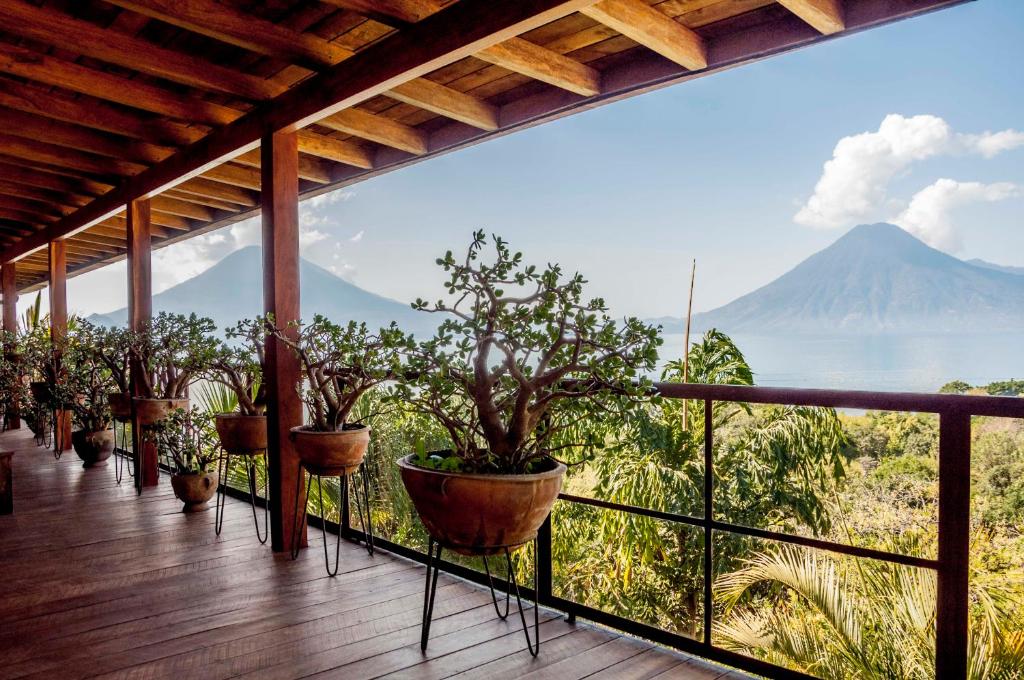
(98, 582)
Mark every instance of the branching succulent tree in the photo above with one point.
(189, 440)
(173, 349)
(519, 356)
(88, 377)
(340, 364)
(239, 366)
(112, 348)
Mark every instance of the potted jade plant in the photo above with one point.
(238, 365)
(188, 440)
(519, 357)
(172, 350)
(89, 378)
(339, 365)
(113, 347)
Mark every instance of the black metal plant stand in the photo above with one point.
(121, 452)
(223, 468)
(511, 585)
(345, 481)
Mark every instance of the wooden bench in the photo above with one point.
(6, 486)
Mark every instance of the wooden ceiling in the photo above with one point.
(103, 101)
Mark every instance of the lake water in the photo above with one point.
(878, 362)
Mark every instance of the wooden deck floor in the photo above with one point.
(97, 582)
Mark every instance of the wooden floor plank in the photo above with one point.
(99, 582)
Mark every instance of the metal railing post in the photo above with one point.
(954, 545)
(709, 517)
(544, 557)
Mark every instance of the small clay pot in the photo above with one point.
(480, 514)
(94, 448)
(331, 453)
(152, 411)
(242, 435)
(194, 489)
(120, 405)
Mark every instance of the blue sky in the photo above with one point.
(716, 169)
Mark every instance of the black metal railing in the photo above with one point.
(950, 564)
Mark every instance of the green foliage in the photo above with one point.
(519, 358)
(238, 366)
(174, 349)
(955, 387)
(998, 473)
(217, 398)
(341, 364)
(1006, 388)
(88, 377)
(188, 439)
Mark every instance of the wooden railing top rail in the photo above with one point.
(978, 405)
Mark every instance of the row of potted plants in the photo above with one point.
(519, 357)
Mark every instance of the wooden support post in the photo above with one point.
(280, 206)
(9, 285)
(58, 329)
(953, 596)
(140, 310)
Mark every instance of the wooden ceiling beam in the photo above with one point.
(45, 211)
(97, 114)
(234, 175)
(334, 149)
(379, 129)
(51, 70)
(53, 27)
(404, 11)
(52, 154)
(14, 171)
(201, 200)
(524, 57)
(826, 16)
(445, 101)
(653, 29)
(458, 31)
(14, 188)
(29, 220)
(80, 138)
(121, 225)
(219, 190)
(88, 236)
(174, 206)
(221, 22)
(313, 169)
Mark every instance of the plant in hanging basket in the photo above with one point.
(189, 441)
(238, 366)
(520, 357)
(339, 365)
(172, 350)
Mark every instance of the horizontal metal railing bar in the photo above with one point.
(795, 539)
(1001, 407)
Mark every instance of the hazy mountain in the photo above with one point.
(876, 278)
(998, 267)
(232, 289)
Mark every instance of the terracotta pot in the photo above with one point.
(194, 489)
(331, 453)
(40, 390)
(481, 514)
(120, 405)
(242, 434)
(152, 411)
(94, 448)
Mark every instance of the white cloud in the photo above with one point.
(330, 198)
(358, 237)
(854, 182)
(929, 214)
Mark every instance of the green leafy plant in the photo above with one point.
(519, 356)
(340, 364)
(188, 439)
(239, 365)
(173, 350)
(112, 347)
(88, 377)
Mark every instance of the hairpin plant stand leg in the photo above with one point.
(344, 481)
(121, 452)
(223, 469)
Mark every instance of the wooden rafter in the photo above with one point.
(545, 65)
(310, 168)
(826, 16)
(448, 102)
(52, 154)
(378, 129)
(653, 29)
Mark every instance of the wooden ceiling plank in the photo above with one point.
(93, 113)
(219, 190)
(201, 200)
(221, 22)
(51, 70)
(652, 29)
(447, 102)
(826, 16)
(539, 63)
(159, 229)
(81, 192)
(404, 11)
(80, 138)
(88, 236)
(334, 149)
(310, 168)
(50, 26)
(12, 188)
(379, 129)
(31, 149)
(174, 206)
(234, 175)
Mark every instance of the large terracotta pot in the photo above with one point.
(242, 435)
(194, 489)
(120, 405)
(477, 514)
(94, 448)
(331, 453)
(152, 411)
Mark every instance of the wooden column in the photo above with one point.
(280, 206)
(140, 310)
(58, 329)
(952, 620)
(8, 283)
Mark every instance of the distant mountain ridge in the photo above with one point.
(232, 289)
(998, 267)
(876, 278)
